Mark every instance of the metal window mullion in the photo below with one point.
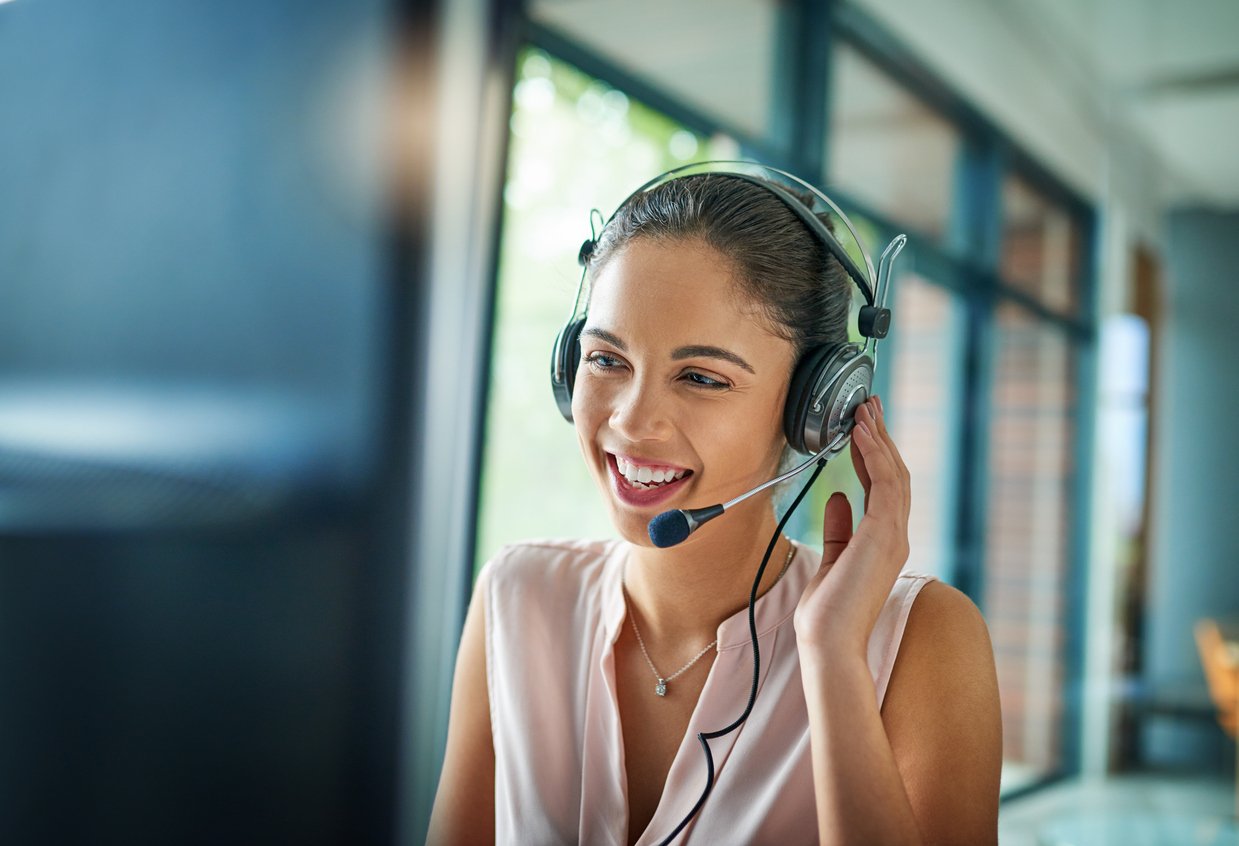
(974, 231)
(475, 66)
(801, 83)
(1085, 355)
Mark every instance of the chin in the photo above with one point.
(633, 528)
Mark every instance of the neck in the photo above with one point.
(682, 594)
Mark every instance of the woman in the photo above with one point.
(586, 670)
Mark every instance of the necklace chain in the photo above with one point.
(661, 687)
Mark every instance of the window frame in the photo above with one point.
(966, 263)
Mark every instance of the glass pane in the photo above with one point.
(923, 413)
(576, 144)
(887, 148)
(726, 71)
(1041, 246)
(1026, 548)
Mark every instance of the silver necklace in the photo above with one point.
(661, 687)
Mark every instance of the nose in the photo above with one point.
(641, 412)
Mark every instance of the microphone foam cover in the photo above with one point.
(668, 529)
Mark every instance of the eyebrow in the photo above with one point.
(693, 351)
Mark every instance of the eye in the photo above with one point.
(601, 362)
(703, 381)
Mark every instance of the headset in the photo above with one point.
(830, 381)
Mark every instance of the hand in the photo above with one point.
(842, 601)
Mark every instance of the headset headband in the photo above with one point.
(863, 280)
(874, 319)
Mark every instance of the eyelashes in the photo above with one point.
(604, 364)
(700, 379)
(598, 361)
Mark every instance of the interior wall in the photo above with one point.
(1194, 533)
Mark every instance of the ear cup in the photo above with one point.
(842, 376)
(565, 358)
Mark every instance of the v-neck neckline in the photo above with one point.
(722, 698)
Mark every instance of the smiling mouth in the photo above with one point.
(647, 477)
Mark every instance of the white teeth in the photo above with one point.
(647, 477)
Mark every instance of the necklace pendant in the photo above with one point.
(661, 687)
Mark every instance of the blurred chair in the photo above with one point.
(1220, 659)
(1221, 665)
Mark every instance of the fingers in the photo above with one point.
(836, 527)
(889, 442)
(887, 474)
(858, 464)
(874, 435)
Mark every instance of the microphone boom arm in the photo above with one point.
(800, 468)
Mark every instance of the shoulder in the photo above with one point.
(944, 677)
(546, 572)
(941, 611)
(537, 559)
(944, 631)
(944, 624)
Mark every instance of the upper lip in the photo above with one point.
(648, 462)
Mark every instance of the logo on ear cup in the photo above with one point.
(828, 385)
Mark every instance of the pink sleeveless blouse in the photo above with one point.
(554, 611)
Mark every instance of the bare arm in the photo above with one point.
(925, 769)
(860, 795)
(464, 809)
(944, 720)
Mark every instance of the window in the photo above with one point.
(923, 361)
(1031, 473)
(577, 144)
(887, 149)
(725, 71)
(1041, 246)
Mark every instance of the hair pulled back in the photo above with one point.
(781, 265)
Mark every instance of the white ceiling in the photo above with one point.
(1166, 70)
(1157, 76)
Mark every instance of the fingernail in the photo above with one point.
(881, 410)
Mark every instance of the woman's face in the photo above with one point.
(678, 400)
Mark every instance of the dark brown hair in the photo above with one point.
(781, 265)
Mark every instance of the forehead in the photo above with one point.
(684, 285)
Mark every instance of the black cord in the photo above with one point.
(706, 736)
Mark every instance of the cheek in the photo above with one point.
(753, 437)
(590, 412)
(749, 435)
(587, 402)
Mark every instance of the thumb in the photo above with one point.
(836, 527)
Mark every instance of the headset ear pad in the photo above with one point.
(565, 358)
(845, 374)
